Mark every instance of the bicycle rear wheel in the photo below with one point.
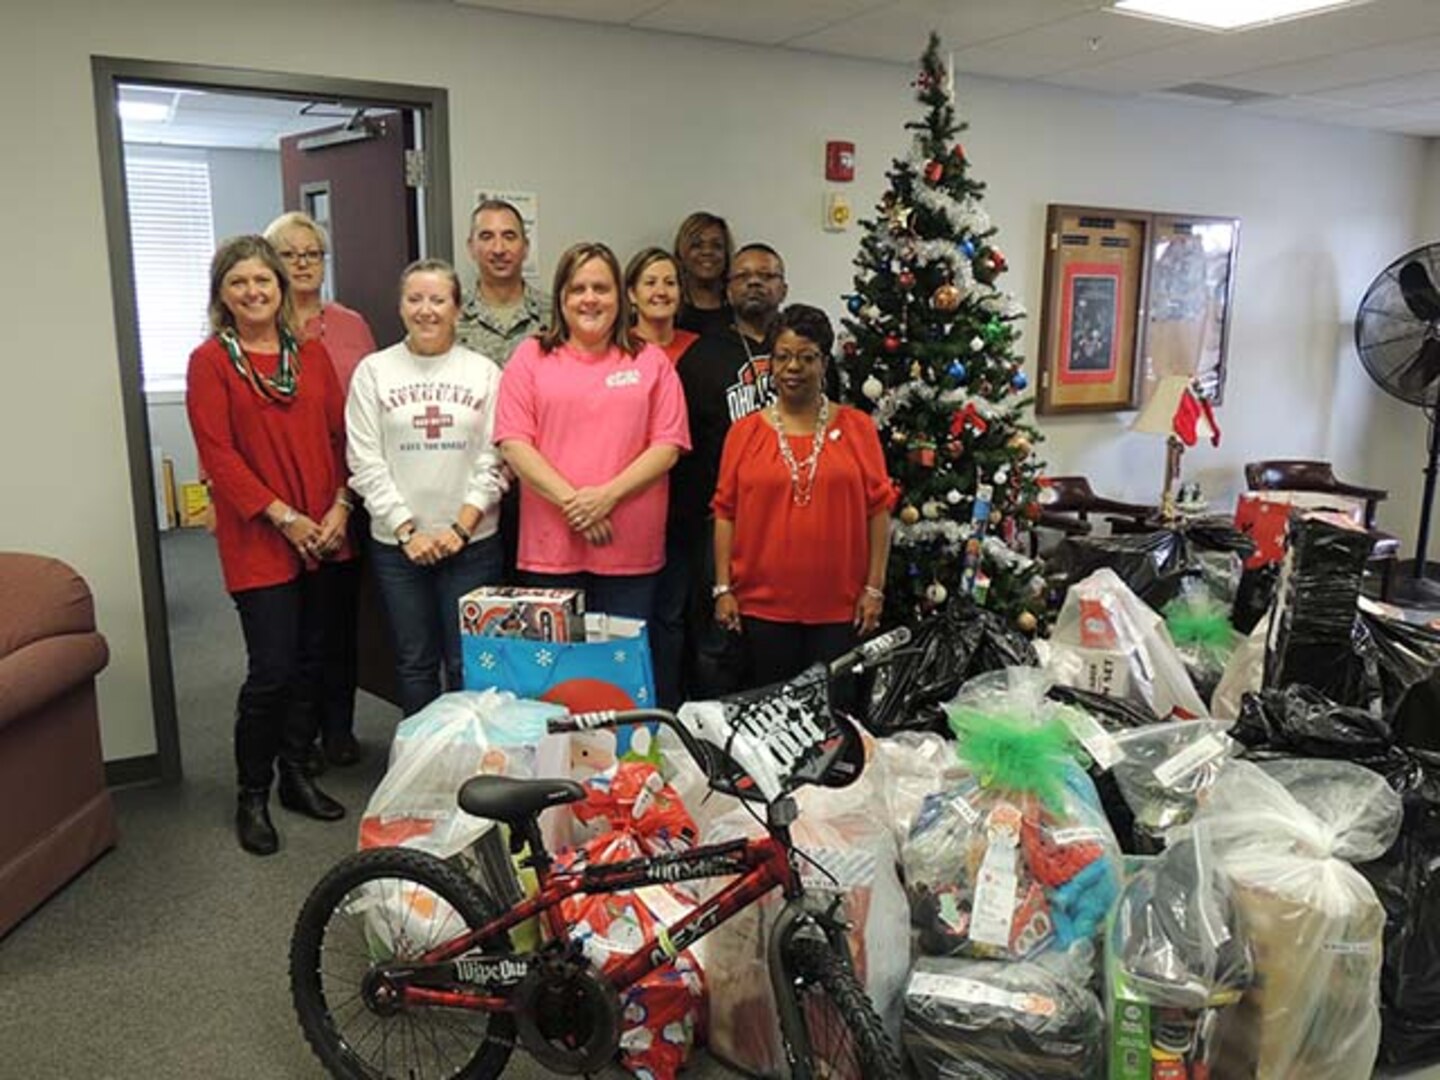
(379, 907)
(847, 1040)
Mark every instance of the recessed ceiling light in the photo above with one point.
(146, 112)
(1228, 14)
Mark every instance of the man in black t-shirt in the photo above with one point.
(726, 377)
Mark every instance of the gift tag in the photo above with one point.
(994, 906)
(1098, 743)
(964, 991)
(1199, 753)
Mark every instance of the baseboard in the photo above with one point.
(123, 772)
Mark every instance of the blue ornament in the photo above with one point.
(1019, 381)
(855, 303)
(913, 570)
(968, 248)
(957, 371)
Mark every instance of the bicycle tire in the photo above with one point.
(846, 1039)
(388, 896)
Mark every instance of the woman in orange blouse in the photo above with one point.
(802, 515)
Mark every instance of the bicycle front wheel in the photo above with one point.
(847, 1040)
(379, 907)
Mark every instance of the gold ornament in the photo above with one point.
(1026, 622)
(994, 517)
(1020, 444)
(945, 298)
(909, 515)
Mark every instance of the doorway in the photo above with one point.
(347, 118)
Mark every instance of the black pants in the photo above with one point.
(296, 676)
(776, 651)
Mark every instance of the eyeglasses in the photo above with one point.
(309, 255)
(765, 277)
(809, 356)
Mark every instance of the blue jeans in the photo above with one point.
(630, 595)
(422, 605)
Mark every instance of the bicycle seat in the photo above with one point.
(503, 798)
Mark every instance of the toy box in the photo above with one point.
(528, 614)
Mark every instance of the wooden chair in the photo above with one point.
(1070, 501)
(1319, 477)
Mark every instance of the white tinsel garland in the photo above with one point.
(965, 215)
(1001, 553)
(915, 392)
(952, 534)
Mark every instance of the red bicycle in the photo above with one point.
(401, 966)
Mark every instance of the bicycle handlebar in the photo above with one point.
(868, 654)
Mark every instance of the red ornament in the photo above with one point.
(1033, 511)
(934, 171)
(892, 343)
(922, 453)
(849, 348)
(998, 261)
(959, 152)
(907, 280)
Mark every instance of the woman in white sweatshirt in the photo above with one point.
(418, 419)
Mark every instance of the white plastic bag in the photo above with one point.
(858, 850)
(1107, 640)
(1244, 673)
(1284, 835)
(1166, 770)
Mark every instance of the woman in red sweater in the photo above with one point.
(802, 515)
(268, 420)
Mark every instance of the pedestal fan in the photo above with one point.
(1397, 334)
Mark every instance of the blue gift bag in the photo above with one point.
(581, 675)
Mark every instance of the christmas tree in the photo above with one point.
(932, 356)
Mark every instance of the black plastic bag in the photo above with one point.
(1404, 661)
(1158, 566)
(945, 651)
(1300, 721)
(1313, 637)
(1254, 596)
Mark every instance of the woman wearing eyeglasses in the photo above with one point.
(268, 420)
(301, 244)
(802, 515)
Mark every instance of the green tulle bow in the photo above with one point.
(1203, 625)
(1016, 753)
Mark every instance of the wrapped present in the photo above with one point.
(632, 796)
(514, 612)
(661, 1014)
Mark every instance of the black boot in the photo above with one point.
(252, 822)
(299, 793)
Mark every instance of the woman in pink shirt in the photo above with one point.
(592, 422)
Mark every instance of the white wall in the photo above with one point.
(245, 189)
(621, 133)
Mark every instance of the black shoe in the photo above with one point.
(252, 822)
(342, 749)
(299, 793)
(314, 761)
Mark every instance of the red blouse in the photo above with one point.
(255, 451)
(804, 564)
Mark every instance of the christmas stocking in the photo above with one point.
(1195, 418)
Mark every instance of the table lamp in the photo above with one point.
(1180, 412)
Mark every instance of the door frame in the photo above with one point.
(107, 73)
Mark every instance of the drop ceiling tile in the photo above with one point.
(605, 11)
(1078, 42)
(961, 23)
(768, 22)
(1388, 92)
(1211, 57)
(1344, 68)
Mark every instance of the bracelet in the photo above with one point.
(287, 519)
(717, 591)
(460, 531)
(410, 535)
(342, 498)
(871, 590)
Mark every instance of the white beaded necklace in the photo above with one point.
(802, 488)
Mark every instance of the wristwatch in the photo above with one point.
(717, 591)
(288, 518)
